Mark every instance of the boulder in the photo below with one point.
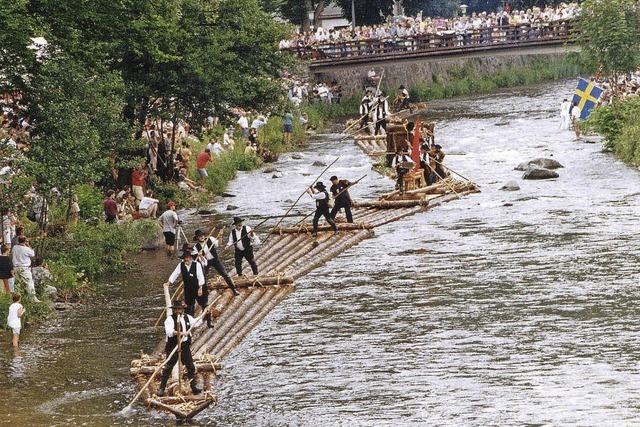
(270, 169)
(227, 195)
(535, 172)
(50, 291)
(318, 164)
(540, 162)
(510, 186)
(154, 243)
(297, 156)
(231, 207)
(276, 175)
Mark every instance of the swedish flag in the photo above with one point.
(586, 97)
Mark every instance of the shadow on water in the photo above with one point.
(502, 308)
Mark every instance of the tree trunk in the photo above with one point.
(318, 13)
(306, 23)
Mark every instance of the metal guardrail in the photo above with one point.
(433, 44)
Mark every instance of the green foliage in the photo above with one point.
(90, 200)
(223, 169)
(465, 81)
(98, 249)
(618, 124)
(609, 35)
(70, 283)
(34, 311)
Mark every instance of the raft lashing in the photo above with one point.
(289, 253)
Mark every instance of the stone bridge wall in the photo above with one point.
(410, 71)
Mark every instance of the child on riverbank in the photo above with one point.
(16, 311)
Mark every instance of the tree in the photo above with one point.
(609, 35)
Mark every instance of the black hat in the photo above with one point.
(177, 303)
(319, 186)
(333, 178)
(237, 220)
(424, 147)
(186, 250)
(199, 233)
(401, 86)
(438, 147)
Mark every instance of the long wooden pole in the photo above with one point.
(146, 385)
(336, 196)
(298, 199)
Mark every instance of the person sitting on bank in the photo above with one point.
(177, 327)
(193, 281)
(243, 239)
(321, 196)
(402, 163)
(148, 207)
(204, 250)
(341, 198)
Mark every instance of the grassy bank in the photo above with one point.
(464, 81)
(618, 124)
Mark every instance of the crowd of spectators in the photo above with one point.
(627, 86)
(474, 29)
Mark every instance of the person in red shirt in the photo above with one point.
(110, 207)
(201, 164)
(137, 182)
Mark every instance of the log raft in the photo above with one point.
(291, 253)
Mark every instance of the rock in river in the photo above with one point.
(277, 175)
(540, 162)
(318, 163)
(535, 172)
(231, 207)
(296, 156)
(270, 169)
(510, 186)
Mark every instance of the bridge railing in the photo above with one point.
(503, 36)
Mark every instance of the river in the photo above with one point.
(503, 308)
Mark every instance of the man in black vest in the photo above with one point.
(204, 250)
(195, 286)
(341, 198)
(242, 238)
(321, 196)
(178, 328)
(402, 163)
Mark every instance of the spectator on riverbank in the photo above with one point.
(110, 207)
(138, 177)
(287, 124)
(6, 267)
(21, 255)
(148, 206)
(201, 164)
(243, 122)
(16, 311)
(169, 222)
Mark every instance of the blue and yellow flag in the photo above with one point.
(586, 97)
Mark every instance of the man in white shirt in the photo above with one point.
(178, 326)
(215, 148)
(205, 252)
(243, 122)
(169, 222)
(193, 281)
(565, 120)
(258, 122)
(243, 239)
(21, 255)
(321, 196)
(575, 114)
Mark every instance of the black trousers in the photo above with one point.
(347, 210)
(185, 358)
(327, 216)
(217, 265)
(382, 123)
(400, 183)
(191, 297)
(404, 105)
(248, 255)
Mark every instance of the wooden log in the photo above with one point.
(172, 400)
(250, 314)
(249, 282)
(281, 295)
(200, 367)
(307, 228)
(299, 252)
(390, 204)
(271, 264)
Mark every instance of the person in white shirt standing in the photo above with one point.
(243, 122)
(178, 327)
(21, 257)
(169, 221)
(243, 239)
(575, 112)
(16, 311)
(565, 120)
(148, 206)
(321, 196)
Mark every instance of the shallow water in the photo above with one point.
(502, 308)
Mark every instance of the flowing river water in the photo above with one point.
(503, 308)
